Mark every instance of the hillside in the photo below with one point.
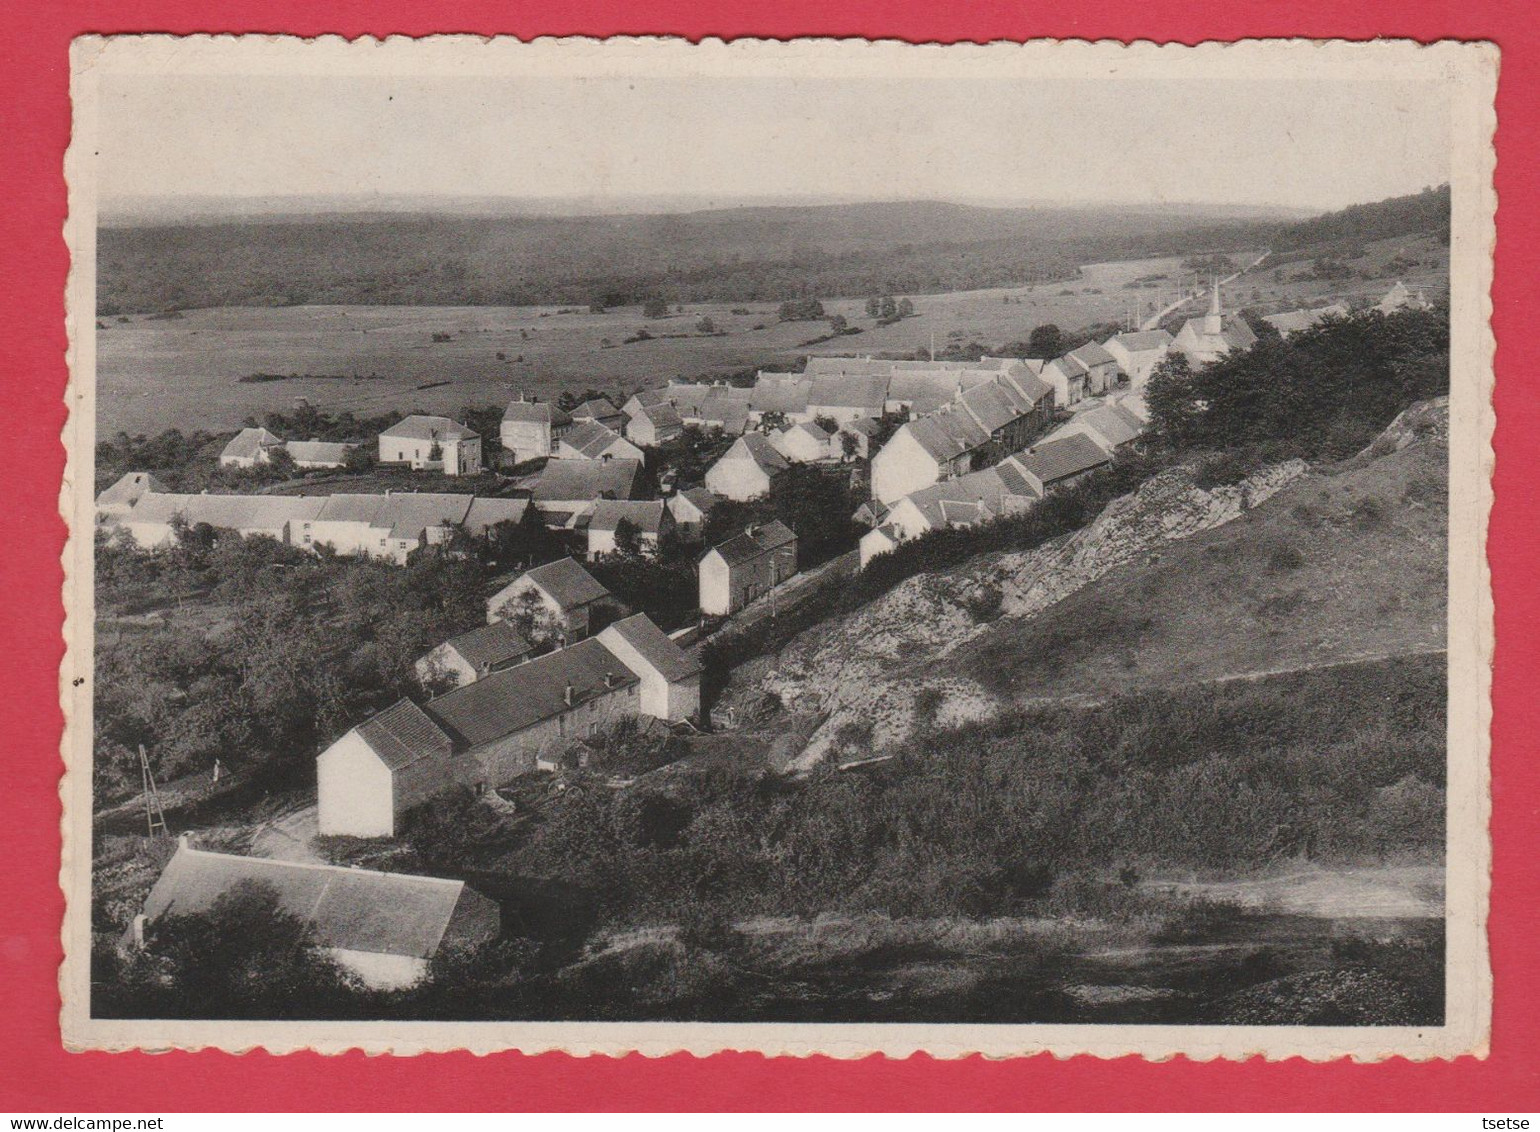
(736, 254)
(1427, 211)
(1174, 584)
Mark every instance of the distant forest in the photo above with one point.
(728, 255)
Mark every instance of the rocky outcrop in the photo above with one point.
(877, 670)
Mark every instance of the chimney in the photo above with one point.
(567, 696)
(609, 679)
(138, 930)
(183, 841)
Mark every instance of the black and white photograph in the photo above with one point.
(810, 547)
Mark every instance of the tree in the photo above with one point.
(628, 538)
(889, 307)
(1170, 398)
(772, 421)
(705, 325)
(905, 308)
(827, 423)
(801, 310)
(850, 445)
(874, 307)
(1045, 341)
(837, 323)
(655, 308)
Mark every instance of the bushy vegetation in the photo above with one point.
(1427, 211)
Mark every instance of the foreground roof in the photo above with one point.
(353, 909)
(402, 735)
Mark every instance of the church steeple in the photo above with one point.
(1213, 322)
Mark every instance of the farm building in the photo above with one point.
(318, 453)
(569, 594)
(746, 567)
(565, 489)
(1068, 382)
(650, 517)
(470, 656)
(249, 447)
(1098, 365)
(784, 393)
(432, 444)
(847, 397)
(487, 511)
(385, 526)
(590, 440)
(1060, 462)
(118, 500)
(1137, 353)
(690, 508)
(530, 429)
(806, 443)
(383, 927)
(865, 432)
(1211, 337)
(747, 470)
(653, 425)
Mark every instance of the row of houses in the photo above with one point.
(505, 724)
(420, 441)
(388, 526)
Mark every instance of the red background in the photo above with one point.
(36, 1074)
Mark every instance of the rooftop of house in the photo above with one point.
(849, 391)
(230, 512)
(592, 439)
(1058, 459)
(756, 446)
(647, 514)
(353, 909)
(249, 443)
(504, 703)
(486, 512)
(672, 662)
(1092, 354)
(582, 481)
(535, 412)
(594, 409)
(409, 513)
(129, 488)
(420, 426)
(403, 734)
(1142, 341)
(754, 542)
(567, 583)
(318, 451)
(947, 433)
(490, 646)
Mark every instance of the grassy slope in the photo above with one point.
(1342, 564)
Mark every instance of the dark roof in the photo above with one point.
(568, 583)
(354, 909)
(486, 512)
(490, 646)
(757, 447)
(1092, 354)
(849, 391)
(318, 451)
(647, 514)
(672, 662)
(585, 480)
(947, 433)
(530, 412)
(1136, 342)
(595, 408)
(402, 734)
(1068, 456)
(592, 438)
(661, 415)
(755, 542)
(509, 701)
(410, 513)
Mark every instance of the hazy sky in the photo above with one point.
(1316, 144)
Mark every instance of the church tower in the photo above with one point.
(1213, 322)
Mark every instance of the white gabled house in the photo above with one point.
(530, 429)
(1138, 352)
(651, 518)
(250, 447)
(470, 656)
(432, 443)
(568, 594)
(806, 443)
(746, 567)
(115, 503)
(748, 469)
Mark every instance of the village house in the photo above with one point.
(115, 503)
(564, 490)
(644, 399)
(690, 509)
(318, 453)
(568, 594)
(1110, 425)
(590, 440)
(847, 397)
(1211, 337)
(652, 426)
(962, 502)
(1060, 462)
(385, 928)
(428, 443)
(154, 518)
(472, 655)
(1138, 352)
(669, 675)
(746, 567)
(783, 393)
(1068, 382)
(602, 411)
(806, 443)
(865, 432)
(530, 429)
(747, 470)
(250, 447)
(487, 512)
(1098, 365)
(385, 526)
(650, 517)
(504, 725)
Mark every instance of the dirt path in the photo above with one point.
(1372, 892)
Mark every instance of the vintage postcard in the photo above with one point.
(809, 547)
